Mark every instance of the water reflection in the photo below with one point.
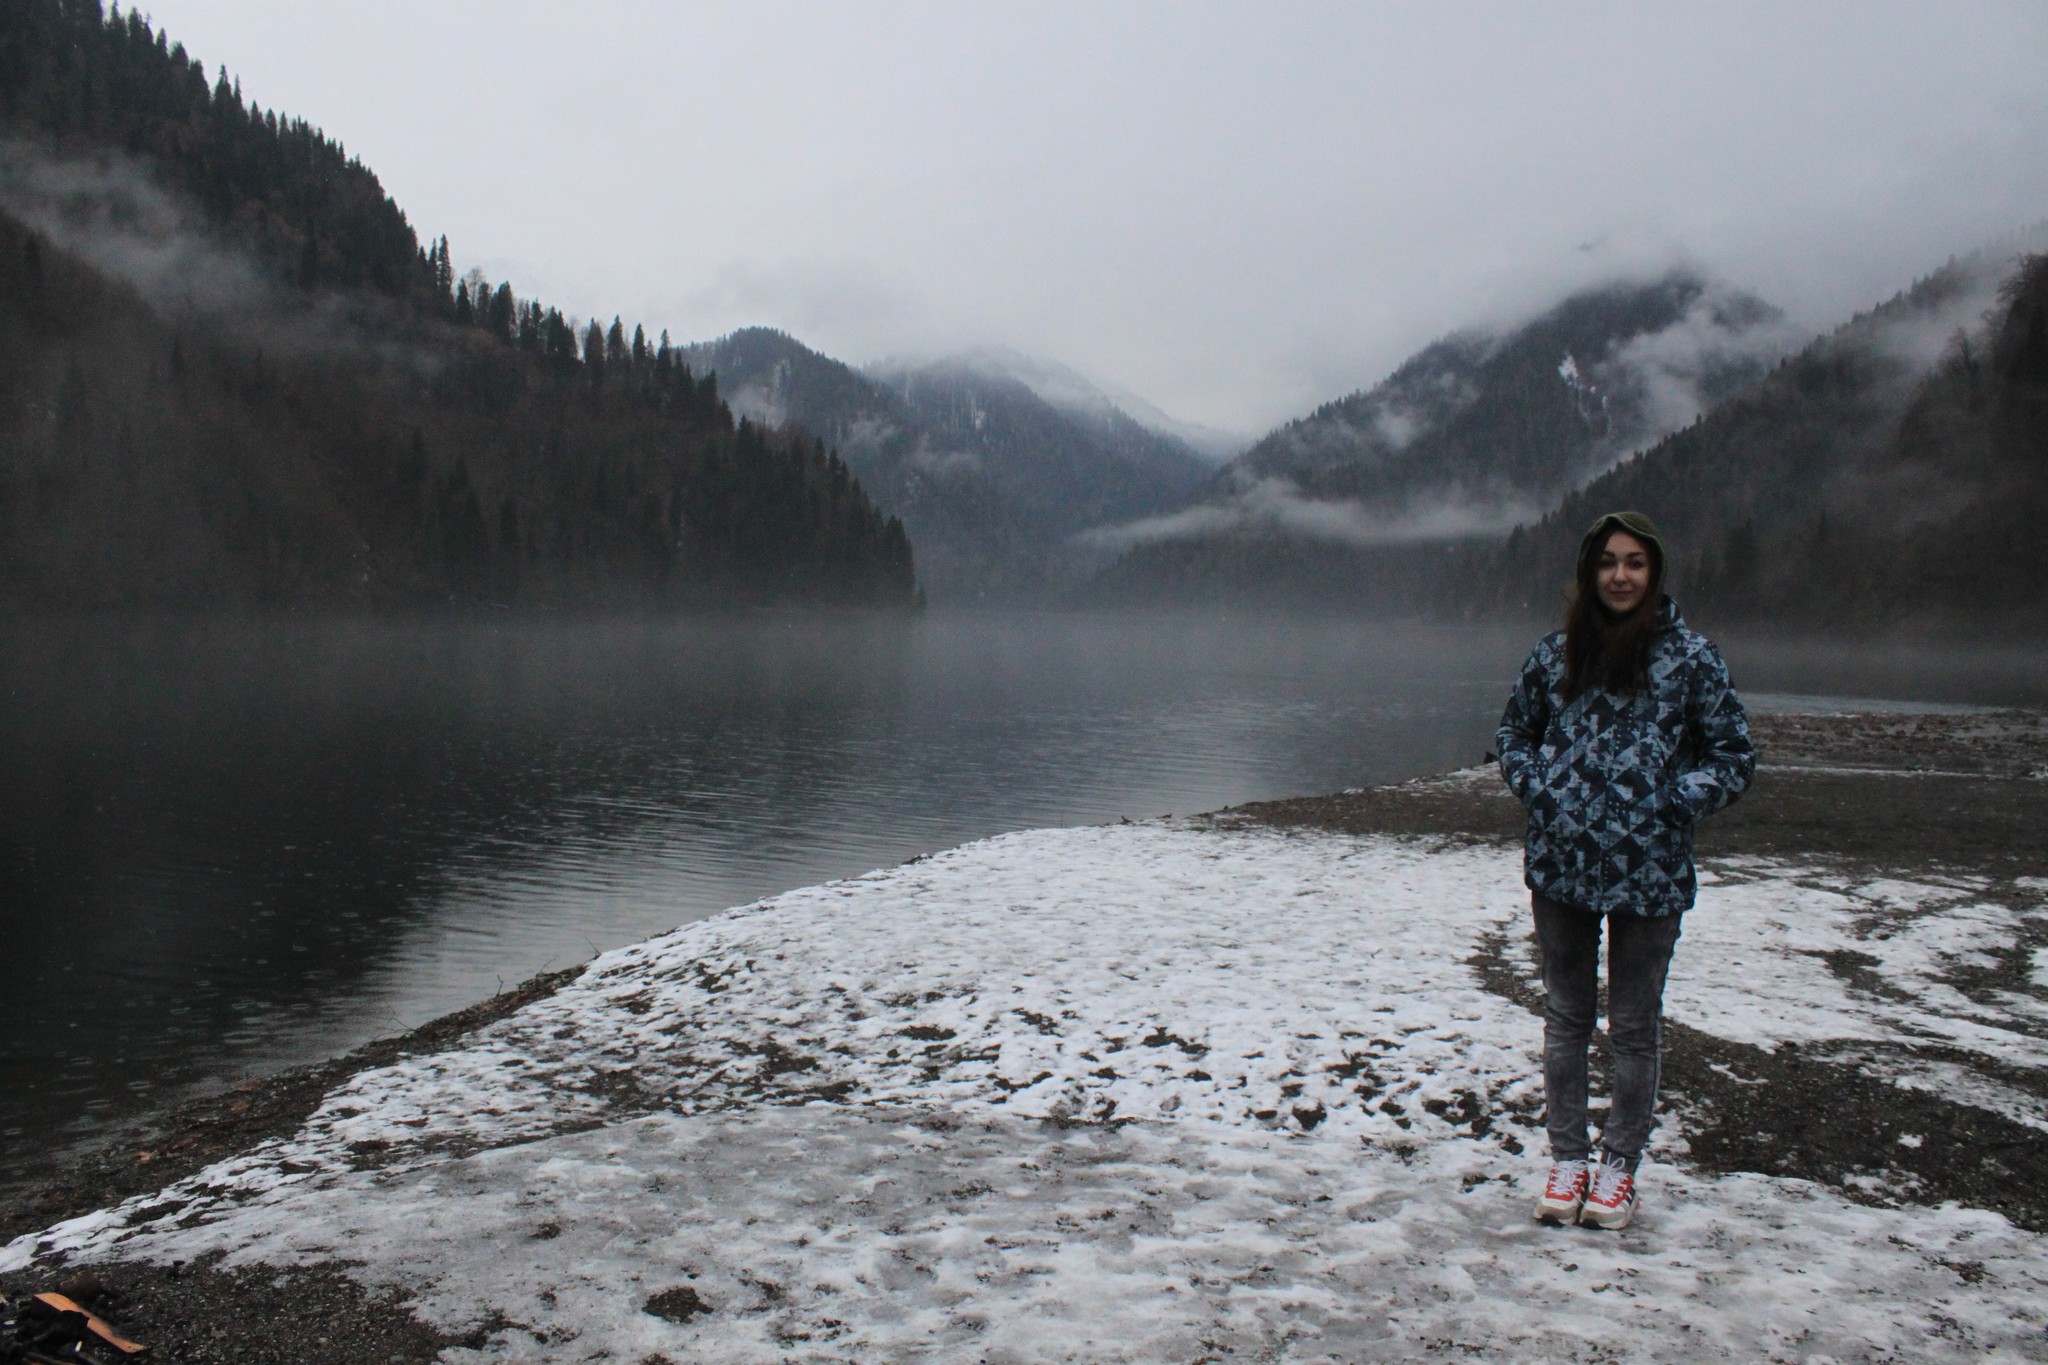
(229, 845)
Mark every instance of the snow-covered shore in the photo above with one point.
(1157, 1092)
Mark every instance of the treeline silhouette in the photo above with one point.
(369, 428)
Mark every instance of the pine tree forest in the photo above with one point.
(369, 429)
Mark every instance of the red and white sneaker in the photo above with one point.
(1564, 1192)
(1612, 1200)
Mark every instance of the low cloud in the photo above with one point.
(1919, 338)
(110, 212)
(759, 403)
(945, 463)
(836, 305)
(1398, 425)
(1275, 507)
(1062, 387)
(1676, 373)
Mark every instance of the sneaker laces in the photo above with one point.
(1611, 1183)
(1564, 1180)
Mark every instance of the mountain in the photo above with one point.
(1066, 466)
(992, 479)
(1894, 469)
(1070, 391)
(972, 545)
(1496, 421)
(231, 374)
(1467, 437)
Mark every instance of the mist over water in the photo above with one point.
(232, 845)
(226, 846)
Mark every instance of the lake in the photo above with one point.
(228, 845)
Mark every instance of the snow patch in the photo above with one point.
(1142, 1092)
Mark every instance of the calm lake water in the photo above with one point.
(228, 846)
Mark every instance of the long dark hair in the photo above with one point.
(1602, 648)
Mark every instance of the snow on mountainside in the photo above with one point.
(992, 460)
(1857, 462)
(1070, 391)
(1472, 435)
(970, 544)
(1068, 465)
(1825, 484)
(1503, 423)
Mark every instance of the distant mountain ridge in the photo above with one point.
(991, 477)
(1895, 467)
(1518, 419)
(1893, 471)
(972, 546)
(1472, 434)
(1069, 390)
(1067, 466)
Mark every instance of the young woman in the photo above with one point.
(1622, 734)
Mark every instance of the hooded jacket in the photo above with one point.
(1614, 784)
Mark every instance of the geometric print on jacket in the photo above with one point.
(1615, 784)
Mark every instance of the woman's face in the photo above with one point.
(1623, 573)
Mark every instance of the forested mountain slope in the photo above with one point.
(1495, 421)
(230, 373)
(1469, 436)
(1066, 468)
(1074, 393)
(972, 544)
(991, 478)
(1896, 468)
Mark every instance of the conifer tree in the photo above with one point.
(444, 274)
(558, 340)
(499, 319)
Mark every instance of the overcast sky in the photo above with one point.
(1235, 210)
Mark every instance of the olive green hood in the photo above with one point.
(1636, 524)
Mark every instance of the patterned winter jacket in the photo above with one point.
(1614, 784)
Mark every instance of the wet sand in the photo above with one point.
(1878, 795)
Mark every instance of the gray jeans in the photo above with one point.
(1638, 956)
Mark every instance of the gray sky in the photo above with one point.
(1235, 210)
